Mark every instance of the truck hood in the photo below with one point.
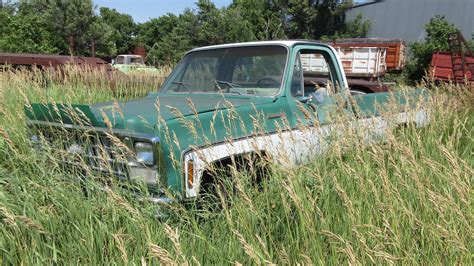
(142, 115)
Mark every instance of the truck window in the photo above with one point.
(265, 70)
(119, 60)
(137, 60)
(249, 70)
(201, 73)
(297, 88)
(318, 72)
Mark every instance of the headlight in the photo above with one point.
(144, 152)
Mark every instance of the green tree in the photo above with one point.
(209, 24)
(164, 37)
(437, 32)
(356, 28)
(169, 37)
(72, 21)
(72, 26)
(123, 29)
(24, 31)
(103, 39)
(155, 29)
(54, 26)
(301, 17)
(173, 44)
(317, 19)
(236, 27)
(265, 19)
(330, 17)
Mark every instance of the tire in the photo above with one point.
(222, 187)
(216, 196)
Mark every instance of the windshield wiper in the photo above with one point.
(230, 85)
(184, 84)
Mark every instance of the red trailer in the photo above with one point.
(457, 65)
(442, 68)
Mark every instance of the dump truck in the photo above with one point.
(365, 61)
(238, 105)
(395, 54)
(362, 66)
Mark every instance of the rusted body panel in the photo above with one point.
(367, 86)
(457, 65)
(442, 67)
(45, 61)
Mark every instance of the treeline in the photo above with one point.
(76, 27)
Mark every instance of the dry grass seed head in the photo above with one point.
(161, 254)
(173, 235)
(249, 250)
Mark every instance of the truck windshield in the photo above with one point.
(249, 70)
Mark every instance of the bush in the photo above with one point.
(437, 32)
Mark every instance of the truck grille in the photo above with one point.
(88, 150)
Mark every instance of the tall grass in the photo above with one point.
(406, 201)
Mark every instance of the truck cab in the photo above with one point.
(129, 60)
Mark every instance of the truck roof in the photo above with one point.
(287, 43)
(130, 55)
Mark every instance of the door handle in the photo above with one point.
(274, 116)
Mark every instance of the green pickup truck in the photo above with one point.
(220, 104)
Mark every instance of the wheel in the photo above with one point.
(216, 193)
(219, 187)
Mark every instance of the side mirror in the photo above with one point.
(113, 61)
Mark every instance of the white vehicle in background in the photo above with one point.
(130, 63)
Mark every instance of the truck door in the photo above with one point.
(317, 85)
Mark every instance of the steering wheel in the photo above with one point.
(272, 81)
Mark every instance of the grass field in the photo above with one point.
(406, 202)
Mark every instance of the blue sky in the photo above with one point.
(142, 10)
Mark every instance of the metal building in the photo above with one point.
(405, 19)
